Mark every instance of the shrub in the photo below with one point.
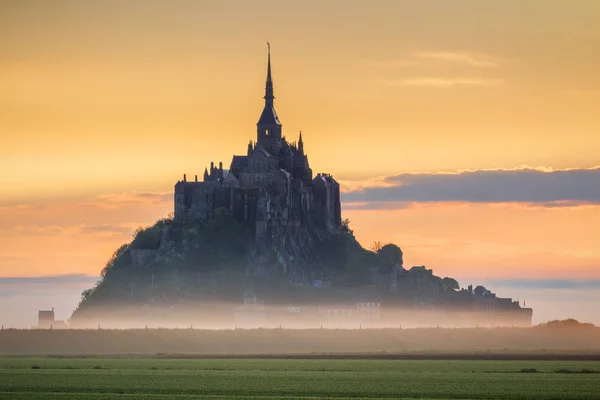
(574, 371)
(147, 239)
(528, 371)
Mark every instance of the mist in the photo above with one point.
(22, 298)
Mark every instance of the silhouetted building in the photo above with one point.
(46, 318)
(271, 188)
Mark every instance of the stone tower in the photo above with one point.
(268, 128)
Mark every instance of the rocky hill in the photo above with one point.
(174, 265)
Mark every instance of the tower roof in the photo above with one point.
(269, 115)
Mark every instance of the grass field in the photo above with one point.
(110, 342)
(149, 378)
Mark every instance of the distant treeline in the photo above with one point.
(538, 340)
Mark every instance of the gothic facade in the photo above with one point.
(271, 188)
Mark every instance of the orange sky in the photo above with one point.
(105, 104)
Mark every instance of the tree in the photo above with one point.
(376, 246)
(138, 230)
(115, 260)
(391, 255)
(147, 238)
(450, 284)
(346, 226)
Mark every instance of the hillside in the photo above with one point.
(215, 260)
(190, 271)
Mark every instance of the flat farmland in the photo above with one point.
(164, 378)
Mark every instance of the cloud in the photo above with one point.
(349, 185)
(36, 230)
(540, 187)
(107, 213)
(394, 64)
(438, 59)
(442, 62)
(445, 82)
(378, 205)
(121, 229)
(480, 60)
(547, 283)
(42, 285)
(50, 279)
(112, 200)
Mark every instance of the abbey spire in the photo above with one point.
(268, 126)
(269, 97)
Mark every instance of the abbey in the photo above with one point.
(271, 188)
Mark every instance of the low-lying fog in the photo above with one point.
(21, 298)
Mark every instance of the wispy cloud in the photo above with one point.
(548, 283)
(444, 82)
(349, 185)
(377, 205)
(541, 187)
(439, 60)
(65, 279)
(395, 64)
(440, 64)
(120, 229)
(480, 60)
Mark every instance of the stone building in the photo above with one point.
(271, 188)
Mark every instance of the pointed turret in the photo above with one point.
(301, 144)
(268, 125)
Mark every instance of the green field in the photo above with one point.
(148, 378)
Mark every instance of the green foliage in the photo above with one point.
(450, 284)
(342, 254)
(225, 235)
(576, 371)
(358, 269)
(119, 259)
(391, 255)
(346, 226)
(216, 244)
(333, 251)
(528, 370)
(147, 238)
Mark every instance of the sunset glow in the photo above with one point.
(105, 105)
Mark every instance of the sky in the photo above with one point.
(466, 132)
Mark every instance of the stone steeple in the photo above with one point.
(268, 126)
(269, 97)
